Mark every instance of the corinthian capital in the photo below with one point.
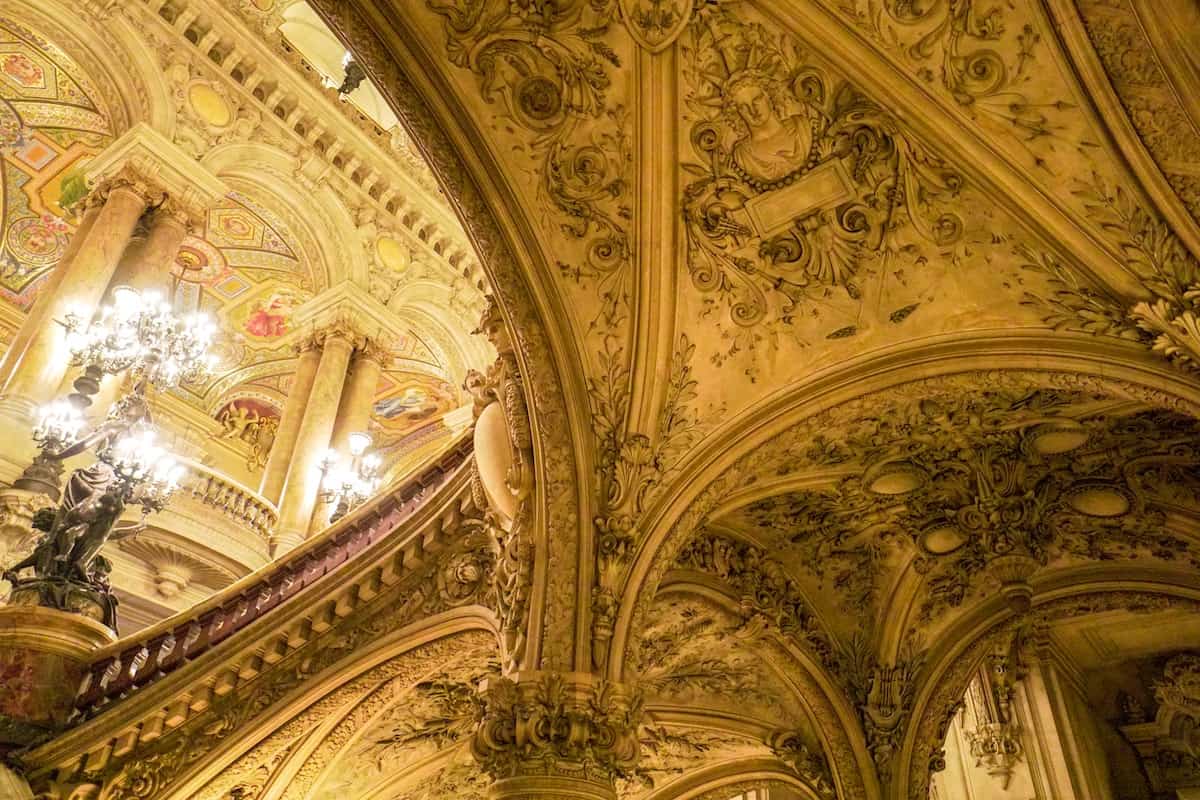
(567, 725)
(188, 210)
(132, 177)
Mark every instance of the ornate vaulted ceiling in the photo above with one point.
(257, 258)
(866, 315)
(856, 336)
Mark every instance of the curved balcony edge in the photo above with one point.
(154, 652)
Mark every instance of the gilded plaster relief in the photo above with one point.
(427, 678)
(999, 66)
(815, 223)
(972, 494)
(1167, 322)
(1153, 104)
(557, 104)
(699, 657)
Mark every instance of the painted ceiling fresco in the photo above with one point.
(247, 267)
(51, 122)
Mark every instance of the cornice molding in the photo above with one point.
(162, 163)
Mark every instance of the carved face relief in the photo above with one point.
(777, 143)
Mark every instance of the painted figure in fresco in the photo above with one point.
(413, 403)
(269, 318)
(777, 136)
(241, 420)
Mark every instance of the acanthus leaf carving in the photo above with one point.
(554, 724)
(1168, 323)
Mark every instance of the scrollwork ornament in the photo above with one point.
(802, 184)
(551, 724)
(808, 764)
(1179, 687)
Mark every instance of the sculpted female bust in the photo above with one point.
(778, 138)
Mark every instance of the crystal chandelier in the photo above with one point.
(140, 332)
(348, 482)
(145, 472)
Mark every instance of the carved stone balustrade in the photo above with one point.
(243, 505)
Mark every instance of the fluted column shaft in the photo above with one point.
(81, 278)
(276, 470)
(312, 440)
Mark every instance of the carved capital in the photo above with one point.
(563, 725)
(132, 177)
(189, 212)
(372, 348)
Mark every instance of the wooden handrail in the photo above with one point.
(156, 651)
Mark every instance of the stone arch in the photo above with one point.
(950, 663)
(546, 354)
(325, 702)
(113, 54)
(723, 781)
(318, 217)
(793, 675)
(714, 471)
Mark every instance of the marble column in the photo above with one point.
(354, 412)
(276, 470)
(148, 264)
(38, 316)
(79, 285)
(303, 481)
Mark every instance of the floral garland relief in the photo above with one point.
(547, 67)
(805, 202)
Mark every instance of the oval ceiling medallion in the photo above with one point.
(894, 477)
(392, 254)
(1060, 436)
(1099, 499)
(942, 538)
(209, 105)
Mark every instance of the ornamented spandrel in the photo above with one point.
(800, 181)
(547, 68)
